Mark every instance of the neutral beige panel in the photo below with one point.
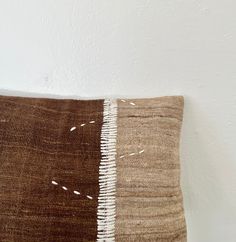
(149, 197)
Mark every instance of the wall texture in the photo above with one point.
(130, 48)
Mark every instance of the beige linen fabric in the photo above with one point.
(149, 204)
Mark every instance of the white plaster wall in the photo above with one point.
(131, 48)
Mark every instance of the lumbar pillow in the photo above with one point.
(91, 170)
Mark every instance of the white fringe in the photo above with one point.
(107, 174)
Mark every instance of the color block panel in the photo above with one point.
(149, 199)
(50, 156)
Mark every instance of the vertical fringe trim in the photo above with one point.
(107, 174)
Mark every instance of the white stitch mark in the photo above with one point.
(73, 128)
(92, 122)
(106, 212)
(132, 103)
(131, 154)
(122, 100)
(75, 192)
(54, 183)
(82, 125)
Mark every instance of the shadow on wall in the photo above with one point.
(207, 178)
(33, 94)
(48, 95)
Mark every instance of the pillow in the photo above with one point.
(90, 170)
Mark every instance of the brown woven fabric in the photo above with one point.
(98, 170)
(38, 149)
(149, 198)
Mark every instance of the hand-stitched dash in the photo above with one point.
(75, 191)
(54, 183)
(73, 128)
(131, 103)
(131, 154)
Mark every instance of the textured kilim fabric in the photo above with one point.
(149, 198)
(90, 170)
(43, 163)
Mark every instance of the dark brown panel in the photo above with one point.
(38, 149)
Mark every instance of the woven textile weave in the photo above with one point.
(90, 170)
